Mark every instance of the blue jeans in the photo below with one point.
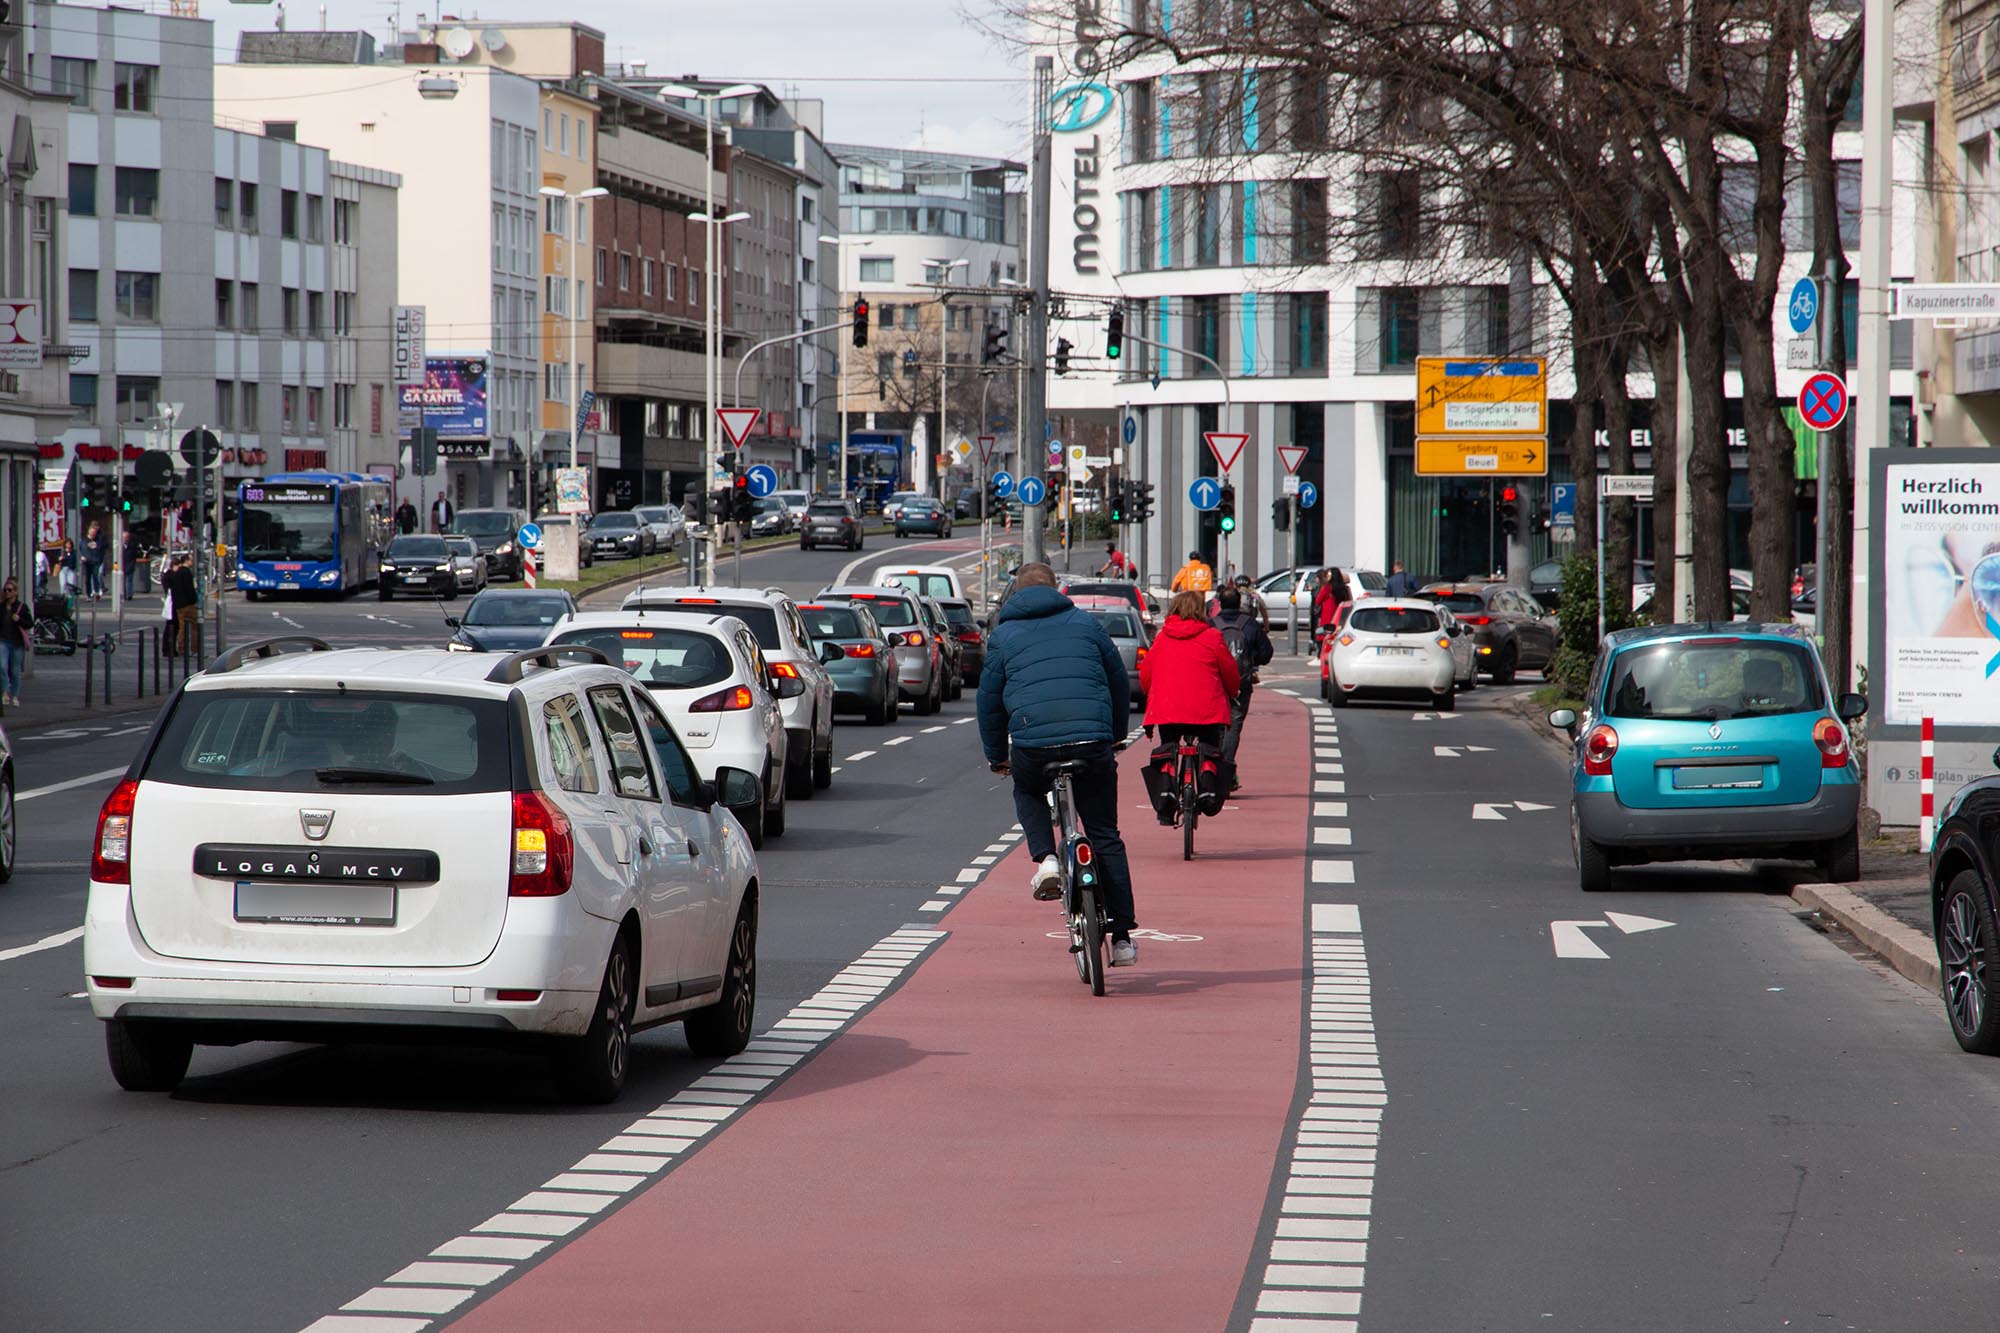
(13, 660)
(93, 578)
(1096, 794)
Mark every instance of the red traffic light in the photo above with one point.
(1509, 495)
(742, 482)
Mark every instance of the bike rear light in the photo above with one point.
(544, 852)
(1598, 747)
(111, 854)
(729, 699)
(1831, 738)
(1084, 855)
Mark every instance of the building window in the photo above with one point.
(343, 407)
(548, 123)
(1309, 221)
(225, 405)
(247, 309)
(138, 190)
(246, 206)
(910, 313)
(315, 217)
(1396, 227)
(885, 367)
(72, 78)
(138, 297)
(343, 221)
(315, 402)
(288, 410)
(673, 282)
(253, 412)
(287, 130)
(624, 273)
(288, 214)
(554, 215)
(225, 304)
(225, 201)
(1205, 332)
(1208, 208)
(138, 398)
(82, 190)
(564, 140)
(1305, 333)
(1496, 311)
(343, 314)
(315, 313)
(83, 295)
(600, 266)
(288, 310)
(878, 268)
(646, 277)
(1402, 318)
(134, 89)
(83, 393)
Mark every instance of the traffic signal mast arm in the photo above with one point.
(1206, 360)
(736, 393)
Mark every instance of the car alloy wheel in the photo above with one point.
(1965, 935)
(7, 830)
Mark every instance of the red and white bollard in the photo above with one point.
(528, 567)
(1926, 789)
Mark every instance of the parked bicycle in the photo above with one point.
(55, 624)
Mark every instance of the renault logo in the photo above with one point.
(316, 823)
(1715, 731)
(1079, 106)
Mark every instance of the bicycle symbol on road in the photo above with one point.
(1141, 933)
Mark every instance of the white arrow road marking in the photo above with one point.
(1571, 942)
(47, 942)
(279, 615)
(1634, 925)
(1530, 805)
(1483, 810)
(1432, 717)
(1445, 751)
(1488, 811)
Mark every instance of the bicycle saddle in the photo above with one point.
(1069, 766)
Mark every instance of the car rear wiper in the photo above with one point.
(394, 777)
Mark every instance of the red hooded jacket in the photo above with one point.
(1188, 675)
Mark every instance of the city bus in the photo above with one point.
(311, 532)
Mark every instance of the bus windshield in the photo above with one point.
(288, 531)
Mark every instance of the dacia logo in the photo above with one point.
(1079, 106)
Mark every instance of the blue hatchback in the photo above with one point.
(1709, 743)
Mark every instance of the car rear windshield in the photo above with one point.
(1712, 679)
(829, 509)
(1118, 624)
(326, 741)
(1372, 580)
(1392, 620)
(617, 520)
(958, 614)
(416, 548)
(1458, 601)
(484, 522)
(672, 659)
(761, 619)
(891, 611)
(1124, 592)
(513, 610)
(832, 622)
(654, 515)
(923, 585)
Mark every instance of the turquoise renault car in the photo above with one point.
(1709, 743)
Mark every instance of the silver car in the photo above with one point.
(467, 563)
(1129, 635)
(665, 523)
(919, 656)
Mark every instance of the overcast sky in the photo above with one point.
(892, 72)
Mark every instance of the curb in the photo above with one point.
(1904, 949)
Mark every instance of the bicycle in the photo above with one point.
(1083, 905)
(1187, 792)
(54, 630)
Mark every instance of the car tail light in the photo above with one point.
(1139, 655)
(785, 669)
(1598, 747)
(968, 636)
(859, 650)
(544, 853)
(1347, 640)
(1444, 642)
(915, 638)
(1719, 641)
(701, 601)
(1477, 620)
(112, 983)
(111, 854)
(728, 700)
(1831, 738)
(517, 996)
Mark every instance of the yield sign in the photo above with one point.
(1226, 446)
(1291, 455)
(738, 422)
(986, 448)
(1823, 401)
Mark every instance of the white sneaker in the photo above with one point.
(1124, 953)
(1047, 880)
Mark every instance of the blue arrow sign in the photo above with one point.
(1131, 429)
(1204, 493)
(1031, 491)
(763, 479)
(530, 536)
(1003, 484)
(1562, 504)
(1308, 495)
(1803, 305)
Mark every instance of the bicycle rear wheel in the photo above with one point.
(1190, 815)
(1091, 961)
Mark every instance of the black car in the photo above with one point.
(1965, 910)
(923, 514)
(617, 534)
(415, 562)
(971, 639)
(1510, 630)
(1545, 583)
(831, 520)
(506, 620)
(496, 533)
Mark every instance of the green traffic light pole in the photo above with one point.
(1228, 406)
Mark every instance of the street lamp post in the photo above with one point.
(841, 259)
(574, 225)
(943, 268)
(711, 255)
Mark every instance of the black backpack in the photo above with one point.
(1238, 643)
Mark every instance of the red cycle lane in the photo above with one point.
(992, 1147)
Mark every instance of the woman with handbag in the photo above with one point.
(1190, 679)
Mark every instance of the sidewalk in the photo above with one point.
(52, 694)
(991, 1147)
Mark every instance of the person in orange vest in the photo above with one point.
(1194, 576)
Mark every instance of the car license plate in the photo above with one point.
(1709, 777)
(289, 587)
(1397, 652)
(316, 904)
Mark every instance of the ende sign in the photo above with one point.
(1073, 109)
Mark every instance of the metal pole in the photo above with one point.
(843, 414)
(1034, 344)
(195, 536)
(1600, 560)
(1869, 388)
(1292, 595)
(575, 428)
(1829, 290)
(713, 370)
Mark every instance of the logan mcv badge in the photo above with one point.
(316, 823)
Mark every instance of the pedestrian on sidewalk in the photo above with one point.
(17, 622)
(441, 514)
(1328, 599)
(1054, 689)
(1401, 582)
(96, 550)
(66, 568)
(186, 594)
(1249, 647)
(406, 517)
(128, 560)
(1190, 678)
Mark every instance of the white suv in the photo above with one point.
(319, 845)
(789, 649)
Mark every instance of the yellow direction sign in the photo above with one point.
(1480, 456)
(1465, 396)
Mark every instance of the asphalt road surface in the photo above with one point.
(1382, 1067)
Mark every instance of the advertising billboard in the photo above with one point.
(450, 401)
(1940, 591)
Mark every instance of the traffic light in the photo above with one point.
(1142, 501)
(742, 504)
(1117, 499)
(1062, 356)
(1281, 513)
(996, 344)
(860, 322)
(93, 493)
(695, 504)
(1114, 333)
(1510, 511)
(1225, 509)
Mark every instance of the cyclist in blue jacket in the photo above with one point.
(1054, 688)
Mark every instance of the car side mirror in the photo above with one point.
(830, 653)
(1563, 719)
(787, 687)
(1852, 707)
(451, 622)
(737, 791)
